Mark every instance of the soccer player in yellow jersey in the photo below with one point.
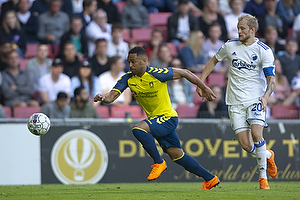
(149, 87)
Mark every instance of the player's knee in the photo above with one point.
(174, 153)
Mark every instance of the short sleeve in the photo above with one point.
(222, 52)
(122, 83)
(163, 74)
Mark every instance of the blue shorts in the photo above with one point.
(162, 128)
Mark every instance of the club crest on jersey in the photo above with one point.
(254, 57)
(240, 64)
(151, 84)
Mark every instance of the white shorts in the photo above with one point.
(242, 117)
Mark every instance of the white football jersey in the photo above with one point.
(246, 81)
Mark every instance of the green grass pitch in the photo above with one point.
(154, 191)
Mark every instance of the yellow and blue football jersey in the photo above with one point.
(150, 90)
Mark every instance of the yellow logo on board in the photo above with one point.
(79, 157)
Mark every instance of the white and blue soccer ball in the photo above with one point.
(38, 124)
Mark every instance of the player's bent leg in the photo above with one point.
(245, 140)
(261, 152)
(148, 142)
(192, 165)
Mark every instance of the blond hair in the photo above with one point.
(5, 25)
(194, 44)
(251, 21)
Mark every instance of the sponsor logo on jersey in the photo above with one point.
(240, 64)
(79, 157)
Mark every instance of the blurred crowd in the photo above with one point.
(57, 54)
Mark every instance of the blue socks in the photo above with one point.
(192, 165)
(148, 142)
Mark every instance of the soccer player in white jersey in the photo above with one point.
(250, 84)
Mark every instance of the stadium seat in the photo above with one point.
(126, 34)
(23, 64)
(120, 5)
(120, 111)
(31, 50)
(7, 110)
(173, 49)
(187, 111)
(216, 79)
(54, 51)
(103, 111)
(158, 19)
(285, 112)
(25, 112)
(141, 34)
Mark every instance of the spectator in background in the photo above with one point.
(5, 49)
(211, 15)
(28, 21)
(164, 56)
(71, 7)
(282, 91)
(80, 107)
(39, 65)
(87, 79)
(155, 6)
(8, 6)
(99, 61)
(271, 18)
(290, 60)
(54, 82)
(294, 98)
(58, 109)
(181, 23)
(231, 19)
(39, 7)
(191, 55)
(296, 30)
(288, 9)
(98, 28)
(212, 44)
(255, 7)
(181, 91)
(77, 37)
(89, 7)
(11, 31)
(70, 60)
(134, 15)
(215, 108)
(117, 46)
(224, 7)
(17, 85)
(111, 9)
(271, 39)
(53, 23)
(152, 47)
(109, 79)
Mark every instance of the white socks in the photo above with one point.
(261, 157)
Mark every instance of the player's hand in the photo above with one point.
(206, 93)
(98, 97)
(263, 101)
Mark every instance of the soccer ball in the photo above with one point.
(38, 124)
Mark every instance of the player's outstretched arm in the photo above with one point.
(191, 77)
(109, 97)
(209, 67)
